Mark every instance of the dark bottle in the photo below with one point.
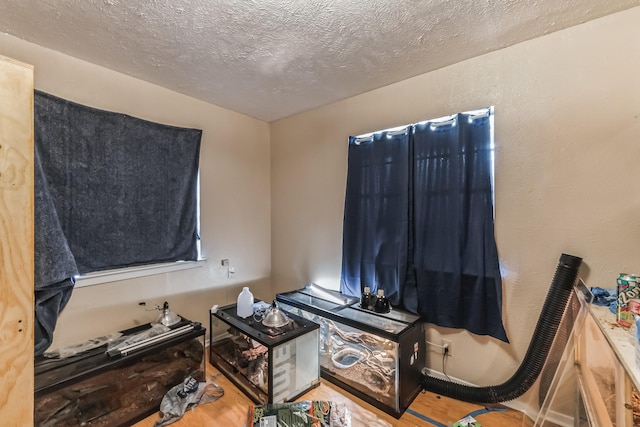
(368, 299)
(382, 303)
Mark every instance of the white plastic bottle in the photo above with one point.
(245, 303)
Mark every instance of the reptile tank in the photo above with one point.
(377, 357)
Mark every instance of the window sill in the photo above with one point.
(100, 277)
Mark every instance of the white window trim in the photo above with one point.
(100, 277)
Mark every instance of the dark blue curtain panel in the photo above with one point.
(418, 222)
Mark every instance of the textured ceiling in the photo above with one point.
(273, 58)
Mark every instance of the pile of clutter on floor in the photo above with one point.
(307, 413)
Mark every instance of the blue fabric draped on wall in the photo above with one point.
(418, 222)
(111, 191)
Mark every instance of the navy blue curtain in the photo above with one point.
(458, 282)
(447, 267)
(375, 215)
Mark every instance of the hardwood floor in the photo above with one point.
(231, 409)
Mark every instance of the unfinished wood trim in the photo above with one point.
(624, 404)
(593, 402)
(16, 242)
(591, 391)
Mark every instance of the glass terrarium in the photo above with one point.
(378, 357)
(269, 364)
(119, 382)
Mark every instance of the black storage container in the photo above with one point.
(377, 357)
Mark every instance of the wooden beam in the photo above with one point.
(16, 243)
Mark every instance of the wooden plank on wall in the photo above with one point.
(16, 243)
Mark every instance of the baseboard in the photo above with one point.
(441, 376)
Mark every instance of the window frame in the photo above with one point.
(109, 276)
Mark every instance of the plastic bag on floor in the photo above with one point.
(185, 396)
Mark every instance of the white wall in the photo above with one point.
(235, 190)
(567, 109)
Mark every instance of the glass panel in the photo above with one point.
(313, 301)
(392, 322)
(401, 316)
(364, 361)
(375, 320)
(295, 366)
(242, 355)
(328, 295)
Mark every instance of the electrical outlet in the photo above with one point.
(447, 345)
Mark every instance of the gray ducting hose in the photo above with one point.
(531, 366)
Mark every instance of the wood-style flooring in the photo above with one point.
(231, 409)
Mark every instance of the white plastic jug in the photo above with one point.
(245, 303)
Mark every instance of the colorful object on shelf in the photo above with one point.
(634, 306)
(627, 289)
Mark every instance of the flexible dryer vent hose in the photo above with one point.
(531, 366)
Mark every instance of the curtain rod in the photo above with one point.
(435, 123)
(390, 132)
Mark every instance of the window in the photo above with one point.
(418, 221)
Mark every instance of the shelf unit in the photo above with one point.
(601, 354)
(608, 379)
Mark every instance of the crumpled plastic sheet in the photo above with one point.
(128, 340)
(75, 349)
(185, 396)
